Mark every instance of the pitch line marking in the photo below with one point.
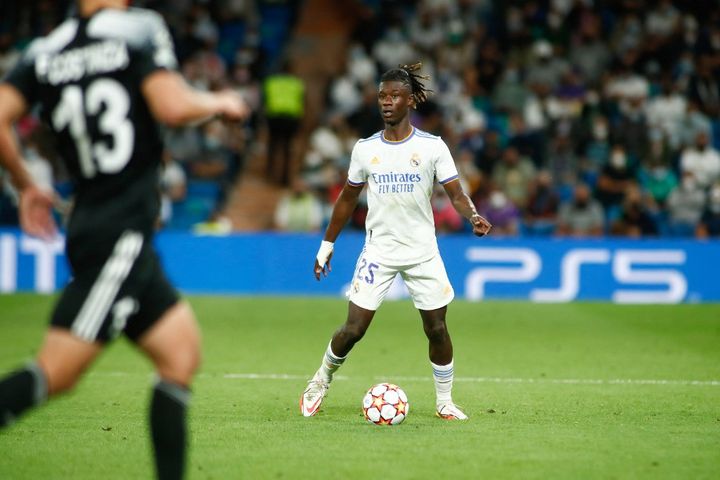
(557, 381)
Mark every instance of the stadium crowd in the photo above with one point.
(580, 118)
(565, 117)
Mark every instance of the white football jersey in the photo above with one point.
(400, 177)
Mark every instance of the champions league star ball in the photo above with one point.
(385, 404)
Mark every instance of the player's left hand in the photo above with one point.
(481, 226)
(36, 212)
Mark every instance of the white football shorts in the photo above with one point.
(427, 283)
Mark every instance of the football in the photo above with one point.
(385, 404)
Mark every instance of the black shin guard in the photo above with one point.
(20, 391)
(168, 428)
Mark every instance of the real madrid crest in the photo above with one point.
(415, 160)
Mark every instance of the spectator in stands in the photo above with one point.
(426, 30)
(504, 214)
(393, 49)
(685, 206)
(597, 150)
(529, 143)
(365, 121)
(704, 88)
(658, 180)
(546, 68)
(327, 155)
(490, 154)
(470, 175)
(542, 207)
(588, 52)
(635, 218)
(666, 112)
(701, 160)
(582, 216)
(510, 92)
(284, 96)
(562, 162)
(513, 176)
(631, 128)
(709, 225)
(299, 210)
(614, 180)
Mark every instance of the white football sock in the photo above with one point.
(329, 365)
(443, 376)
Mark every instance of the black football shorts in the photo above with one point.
(123, 289)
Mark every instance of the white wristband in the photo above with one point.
(326, 248)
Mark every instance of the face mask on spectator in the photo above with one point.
(600, 131)
(498, 200)
(618, 160)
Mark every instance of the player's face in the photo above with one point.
(394, 100)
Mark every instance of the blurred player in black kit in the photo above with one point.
(102, 79)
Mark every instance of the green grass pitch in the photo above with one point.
(574, 391)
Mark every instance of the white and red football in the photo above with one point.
(385, 404)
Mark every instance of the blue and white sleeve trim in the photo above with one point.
(448, 180)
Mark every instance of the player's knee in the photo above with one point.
(436, 332)
(354, 332)
(181, 366)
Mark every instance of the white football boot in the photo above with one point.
(450, 411)
(313, 396)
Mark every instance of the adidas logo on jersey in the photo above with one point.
(375, 161)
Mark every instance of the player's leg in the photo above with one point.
(371, 282)
(61, 361)
(441, 360)
(439, 342)
(431, 292)
(352, 331)
(342, 341)
(173, 345)
(70, 345)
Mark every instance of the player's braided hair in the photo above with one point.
(406, 74)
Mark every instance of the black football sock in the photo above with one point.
(20, 391)
(168, 428)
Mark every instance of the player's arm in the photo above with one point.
(464, 206)
(175, 103)
(35, 204)
(343, 209)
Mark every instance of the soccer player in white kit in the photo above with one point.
(399, 165)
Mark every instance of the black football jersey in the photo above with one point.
(86, 78)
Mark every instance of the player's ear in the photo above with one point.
(411, 102)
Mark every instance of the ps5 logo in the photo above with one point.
(635, 268)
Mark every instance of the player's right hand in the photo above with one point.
(324, 270)
(36, 213)
(232, 105)
(322, 259)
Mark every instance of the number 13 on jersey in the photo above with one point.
(73, 110)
